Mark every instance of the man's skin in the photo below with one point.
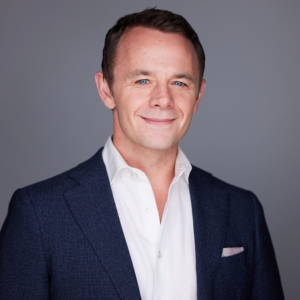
(154, 95)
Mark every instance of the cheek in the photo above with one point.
(132, 101)
(126, 108)
(187, 105)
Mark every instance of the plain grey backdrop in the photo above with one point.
(245, 132)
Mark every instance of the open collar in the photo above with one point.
(114, 162)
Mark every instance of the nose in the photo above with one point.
(161, 97)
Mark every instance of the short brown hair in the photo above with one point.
(152, 18)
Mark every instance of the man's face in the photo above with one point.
(155, 89)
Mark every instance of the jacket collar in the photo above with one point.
(210, 211)
(93, 206)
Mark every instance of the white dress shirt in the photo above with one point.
(163, 254)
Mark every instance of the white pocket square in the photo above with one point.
(232, 251)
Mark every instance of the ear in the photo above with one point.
(104, 91)
(201, 92)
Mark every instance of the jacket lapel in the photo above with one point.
(210, 210)
(93, 206)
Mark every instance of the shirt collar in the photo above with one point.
(182, 165)
(114, 162)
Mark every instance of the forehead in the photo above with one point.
(141, 45)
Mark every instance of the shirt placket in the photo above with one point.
(149, 210)
(163, 251)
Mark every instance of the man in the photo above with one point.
(137, 221)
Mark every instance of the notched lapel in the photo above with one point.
(210, 212)
(93, 206)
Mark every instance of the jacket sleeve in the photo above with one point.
(23, 267)
(266, 282)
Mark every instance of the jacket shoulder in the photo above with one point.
(237, 196)
(60, 183)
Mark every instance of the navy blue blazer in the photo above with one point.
(62, 239)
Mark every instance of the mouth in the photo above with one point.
(158, 122)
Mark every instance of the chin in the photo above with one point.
(157, 143)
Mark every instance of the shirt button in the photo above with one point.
(134, 175)
(148, 209)
(159, 254)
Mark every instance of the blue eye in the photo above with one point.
(179, 83)
(143, 81)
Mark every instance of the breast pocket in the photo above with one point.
(231, 280)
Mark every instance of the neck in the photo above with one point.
(158, 165)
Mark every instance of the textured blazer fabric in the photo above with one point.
(62, 239)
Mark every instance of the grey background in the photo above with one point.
(246, 131)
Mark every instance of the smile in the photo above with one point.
(158, 122)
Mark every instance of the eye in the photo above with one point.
(179, 83)
(143, 81)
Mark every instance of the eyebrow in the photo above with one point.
(185, 76)
(137, 73)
